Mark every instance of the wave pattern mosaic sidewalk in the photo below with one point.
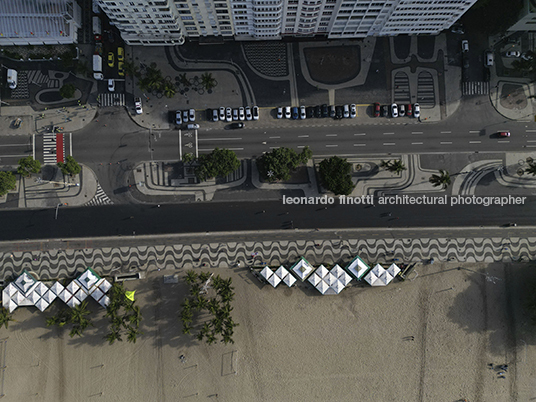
(55, 264)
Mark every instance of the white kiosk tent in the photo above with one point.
(27, 291)
(358, 268)
(379, 276)
(280, 275)
(329, 282)
(302, 269)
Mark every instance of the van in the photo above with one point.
(489, 59)
(12, 78)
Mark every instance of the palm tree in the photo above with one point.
(531, 169)
(397, 167)
(113, 336)
(135, 317)
(183, 80)
(442, 179)
(207, 81)
(132, 335)
(169, 90)
(131, 69)
(5, 317)
(191, 277)
(385, 164)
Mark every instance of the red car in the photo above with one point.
(409, 110)
(376, 109)
(504, 134)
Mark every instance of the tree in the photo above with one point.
(279, 163)
(169, 89)
(131, 69)
(442, 179)
(219, 162)
(27, 166)
(396, 166)
(188, 157)
(531, 169)
(67, 91)
(79, 320)
(123, 315)
(5, 317)
(70, 167)
(207, 81)
(336, 176)
(8, 182)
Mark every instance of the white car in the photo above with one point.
(287, 112)
(235, 114)
(402, 111)
(416, 110)
(191, 115)
(222, 113)
(228, 115)
(248, 113)
(241, 114)
(185, 116)
(215, 114)
(353, 111)
(111, 85)
(279, 112)
(302, 113)
(255, 113)
(394, 110)
(346, 111)
(465, 46)
(137, 105)
(178, 117)
(513, 53)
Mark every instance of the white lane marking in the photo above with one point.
(212, 149)
(331, 135)
(474, 132)
(446, 132)
(14, 145)
(220, 139)
(331, 146)
(389, 143)
(388, 133)
(12, 156)
(531, 140)
(417, 143)
(360, 145)
(416, 132)
(503, 141)
(530, 131)
(445, 142)
(361, 134)
(303, 136)
(531, 146)
(278, 136)
(475, 142)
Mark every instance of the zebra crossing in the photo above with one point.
(100, 198)
(22, 91)
(49, 149)
(111, 99)
(475, 88)
(42, 80)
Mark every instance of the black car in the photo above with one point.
(236, 125)
(318, 111)
(325, 110)
(309, 112)
(338, 112)
(209, 114)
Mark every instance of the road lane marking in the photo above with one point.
(388, 133)
(220, 139)
(531, 140)
(389, 143)
(530, 131)
(475, 142)
(331, 135)
(445, 142)
(531, 146)
(446, 132)
(361, 134)
(277, 136)
(474, 132)
(360, 145)
(331, 146)
(13, 145)
(12, 156)
(417, 143)
(503, 141)
(303, 136)
(416, 132)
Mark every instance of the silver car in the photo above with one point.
(222, 113)
(191, 115)
(228, 114)
(248, 114)
(394, 110)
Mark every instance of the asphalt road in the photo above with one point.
(129, 220)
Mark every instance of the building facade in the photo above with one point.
(39, 22)
(168, 22)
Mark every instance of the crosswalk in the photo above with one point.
(111, 99)
(100, 198)
(49, 149)
(475, 88)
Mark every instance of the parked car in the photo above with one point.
(279, 112)
(376, 109)
(222, 113)
(192, 126)
(287, 112)
(185, 116)
(338, 112)
(402, 110)
(111, 60)
(310, 112)
(295, 113)
(504, 134)
(302, 113)
(325, 112)
(489, 59)
(465, 46)
(228, 114)
(255, 112)
(409, 110)
(394, 110)
(121, 69)
(111, 85)
(353, 111)
(241, 113)
(416, 110)
(527, 56)
(318, 111)
(513, 53)
(235, 114)
(215, 116)
(137, 105)
(457, 29)
(332, 111)
(236, 125)
(249, 117)
(191, 115)
(178, 117)
(385, 111)
(120, 54)
(346, 111)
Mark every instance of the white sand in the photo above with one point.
(292, 345)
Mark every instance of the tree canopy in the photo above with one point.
(70, 166)
(67, 91)
(335, 174)
(27, 166)
(279, 163)
(219, 162)
(8, 182)
(442, 179)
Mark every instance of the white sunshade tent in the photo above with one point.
(337, 286)
(377, 276)
(322, 271)
(56, 288)
(302, 269)
(322, 287)
(314, 279)
(281, 272)
(289, 280)
(266, 273)
(393, 270)
(42, 304)
(274, 280)
(358, 268)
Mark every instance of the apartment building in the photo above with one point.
(39, 22)
(168, 22)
